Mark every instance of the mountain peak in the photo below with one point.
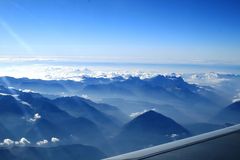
(230, 114)
(150, 128)
(234, 106)
(151, 113)
(155, 122)
(152, 116)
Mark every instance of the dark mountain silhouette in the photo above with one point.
(77, 107)
(230, 114)
(115, 114)
(13, 115)
(9, 105)
(148, 129)
(199, 128)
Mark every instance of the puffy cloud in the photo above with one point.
(27, 90)
(24, 141)
(16, 142)
(135, 114)
(85, 96)
(7, 142)
(63, 72)
(43, 142)
(211, 78)
(35, 117)
(173, 135)
(55, 140)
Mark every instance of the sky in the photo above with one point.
(148, 31)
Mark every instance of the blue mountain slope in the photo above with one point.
(18, 116)
(77, 107)
(230, 114)
(150, 128)
(112, 111)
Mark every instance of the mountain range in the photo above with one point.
(112, 116)
(198, 101)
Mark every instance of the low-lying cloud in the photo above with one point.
(55, 140)
(35, 117)
(8, 142)
(42, 142)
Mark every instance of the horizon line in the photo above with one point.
(109, 60)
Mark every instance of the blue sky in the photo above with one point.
(155, 31)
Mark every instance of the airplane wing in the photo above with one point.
(222, 144)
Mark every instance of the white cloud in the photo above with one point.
(173, 135)
(7, 142)
(61, 72)
(24, 141)
(27, 90)
(10, 87)
(35, 117)
(85, 96)
(16, 142)
(26, 103)
(210, 79)
(236, 98)
(55, 140)
(135, 114)
(43, 142)
(48, 71)
(4, 94)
